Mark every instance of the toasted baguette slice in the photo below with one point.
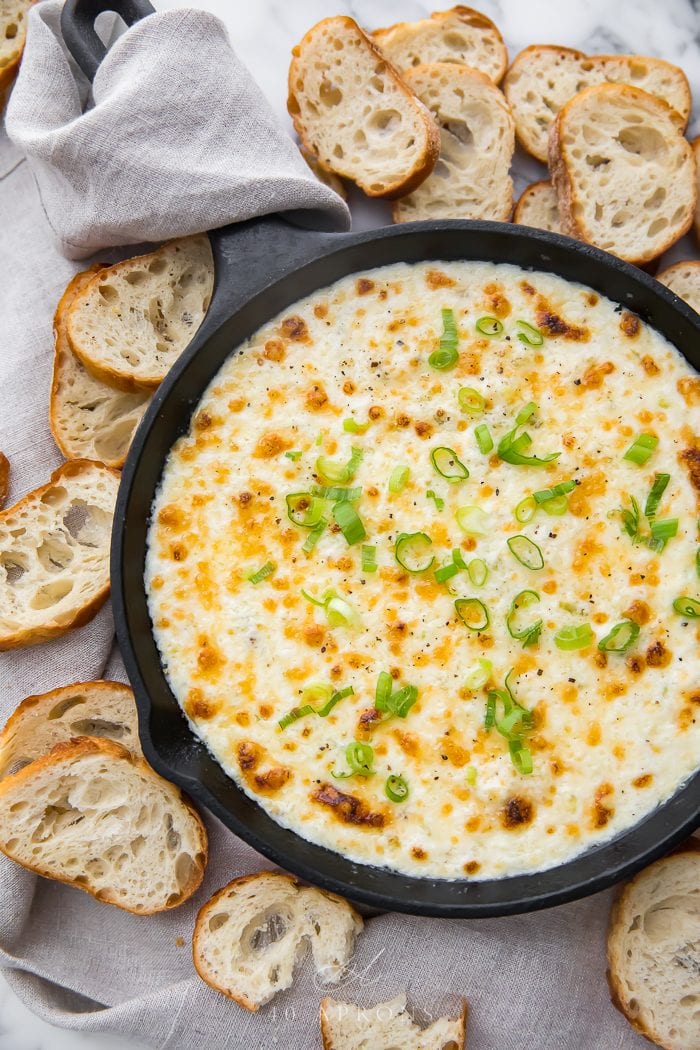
(132, 321)
(4, 478)
(252, 968)
(54, 554)
(471, 179)
(324, 175)
(543, 78)
(538, 207)
(96, 709)
(88, 418)
(696, 152)
(95, 816)
(623, 172)
(684, 280)
(355, 115)
(458, 35)
(654, 950)
(387, 1026)
(13, 30)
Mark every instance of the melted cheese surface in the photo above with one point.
(613, 734)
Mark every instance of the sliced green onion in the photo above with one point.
(530, 633)
(528, 334)
(314, 536)
(520, 755)
(398, 479)
(334, 492)
(337, 472)
(320, 602)
(316, 692)
(446, 572)
(369, 558)
(513, 446)
(446, 355)
(385, 684)
(641, 449)
(484, 441)
(662, 532)
(304, 509)
(525, 510)
(557, 506)
(473, 613)
(526, 552)
(262, 574)
(471, 401)
(351, 427)
(438, 501)
(294, 455)
(458, 559)
(574, 637)
(396, 789)
(473, 520)
(620, 638)
(630, 519)
(562, 489)
(512, 723)
(349, 521)
(489, 326)
(471, 775)
(686, 606)
(397, 703)
(408, 556)
(478, 572)
(656, 491)
(360, 758)
(448, 464)
(478, 675)
(340, 613)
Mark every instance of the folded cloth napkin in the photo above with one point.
(536, 980)
(178, 137)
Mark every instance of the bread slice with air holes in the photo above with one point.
(696, 153)
(355, 115)
(471, 179)
(654, 950)
(285, 917)
(684, 281)
(387, 1026)
(89, 419)
(624, 174)
(95, 816)
(96, 709)
(544, 77)
(459, 35)
(131, 322)
(4, 478)
(538, 207)
(54, 554)
(13, 31)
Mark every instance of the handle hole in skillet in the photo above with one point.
(109, 26)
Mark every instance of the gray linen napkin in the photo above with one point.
(535, 981)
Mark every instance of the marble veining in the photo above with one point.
(263, 32)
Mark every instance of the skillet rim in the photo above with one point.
(667, 825)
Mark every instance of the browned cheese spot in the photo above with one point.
(650, 366)
(424, 429)
(497, 301)
(294, 328)
(274, 350)
(594, 376)
(316, 397)
(690, 458)
(198, 707)
(549, 321)
(408, 742)
(517, 812)
(658, 655)
(689, 389)
(438, 279)
(173, 517)
(375, 412)
(209, 658)
(178, 551)
(364, 285)
(643, 781)
(202, 421)
(348, 808)
(635, 664)
(602, 811)
(630, 325)
(639, 612)
(270, 445)
(314, 635)
(471, 867)
(418, 853)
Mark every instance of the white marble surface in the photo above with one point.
(263, 31)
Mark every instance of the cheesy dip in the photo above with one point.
(423, 570)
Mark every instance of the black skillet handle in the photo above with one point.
(78, 27)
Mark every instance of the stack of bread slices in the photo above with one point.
(427, 114)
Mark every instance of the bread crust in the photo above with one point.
(327, 1035)
(9, 71)
(429, 157)
(84, 746)
(4, 478)
(563, 183)
(51, 629)
(691, 846)
(465, 14)
(695, 146)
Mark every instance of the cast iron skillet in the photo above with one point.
(263, 267)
